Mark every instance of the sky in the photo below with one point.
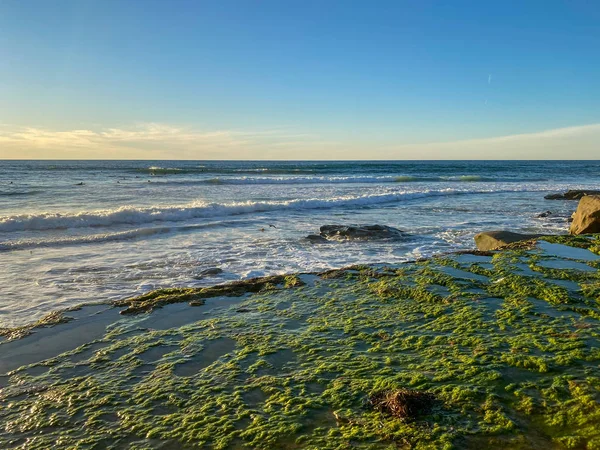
(272, 79)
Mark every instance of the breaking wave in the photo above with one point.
(130, 215)
(137, 233)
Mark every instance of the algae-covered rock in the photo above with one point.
(572, 194)
(464, 351)
(490, 240)
(587, 217)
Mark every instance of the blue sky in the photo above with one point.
(263, 79)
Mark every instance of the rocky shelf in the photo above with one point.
(497, 349)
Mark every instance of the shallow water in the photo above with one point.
(135, 226)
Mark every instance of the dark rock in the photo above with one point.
(210, 272)
(360, 232)
(587, 217)
(490, 240)
(545, 214)
(573, 194)
(316, 239)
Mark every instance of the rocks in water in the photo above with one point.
(316, 239)
(587, 217)
(545, 214)
(210, 272)
(573, 194)
(491, 240)
(355, 232)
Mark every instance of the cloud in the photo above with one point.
(164, 141)
(142, 141)
(578, 142)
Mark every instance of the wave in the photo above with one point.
(385, 179)
(76, 240)
(105, 237)
(18, 193)
(129, 215)
(157, 170)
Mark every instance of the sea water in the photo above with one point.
(74, 232)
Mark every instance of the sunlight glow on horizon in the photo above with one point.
(168, 142)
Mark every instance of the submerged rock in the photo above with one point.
(490, 240)
(316, 239)
(360, 232)
(587, 217)
(545, 214)
(212, 271)
(573, 194)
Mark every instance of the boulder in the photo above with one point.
(490, 240)
(587, 216)
(573, 194)
(360, 232)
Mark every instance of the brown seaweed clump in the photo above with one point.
(405, 404)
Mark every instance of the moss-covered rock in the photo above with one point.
(497, 350)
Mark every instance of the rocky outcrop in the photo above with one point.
(587, 217)
(490, 240)
(575, 194)
(355, 232)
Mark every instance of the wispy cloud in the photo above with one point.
(164, 141)
(148, 141)
(577, 142)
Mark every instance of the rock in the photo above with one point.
(545, 214)
(210, 272)
(490, 240)
(573, 194)
(316, 239)
(587, 216)
(360, 232)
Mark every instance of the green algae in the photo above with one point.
(512, 358)
(51, 319)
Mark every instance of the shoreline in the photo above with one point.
(57, 317)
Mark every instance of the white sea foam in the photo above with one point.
(129, 215)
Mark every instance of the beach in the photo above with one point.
(500, 349)
(232, 225)
(340, 314)
(135, 226)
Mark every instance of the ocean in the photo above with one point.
(78, 232)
